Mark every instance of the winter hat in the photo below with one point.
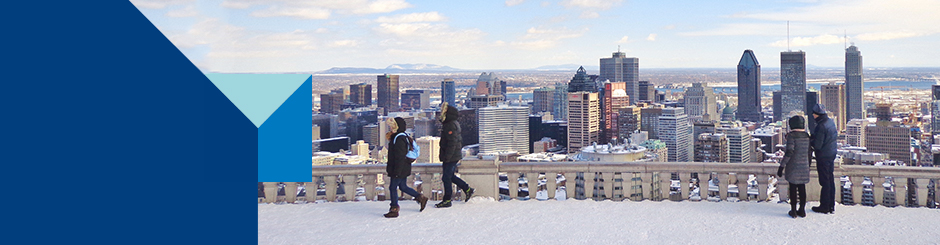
(401, 124)
(796, 122)
(819, 109)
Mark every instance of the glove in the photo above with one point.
(780, 171)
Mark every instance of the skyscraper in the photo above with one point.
(560, 102)
(449, 92)
(676, 131)
(701, 103)
(480, 101)
(855, 132)
(649, 121)
(583, 120)
(608, 129)
(388, 92)
(619, 68)
(935, 110)
(582, 82)
(749, 109)
(711, 148)
(360, 94)
(792, 82)
(330, 103)
(504, 129)
(833, 97)
(415, 99)
(628, 120)
(739, 141)
(888, 137)
(647, 91)
(854, 86)
(542, 100)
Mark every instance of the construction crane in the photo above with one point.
(883, 90)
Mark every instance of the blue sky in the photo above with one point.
(293, 36)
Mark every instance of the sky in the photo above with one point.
(310, 36)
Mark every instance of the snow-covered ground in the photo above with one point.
(485, 221)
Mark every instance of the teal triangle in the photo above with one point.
(257, 95)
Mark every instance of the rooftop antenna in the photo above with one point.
(845, 38)
(788, 36)
(618, 48)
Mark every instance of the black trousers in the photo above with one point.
(797, 193)
(827, 196)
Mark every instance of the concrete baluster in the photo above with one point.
(783, 189)
(684, 181)
(878, 190)
(533, 184)
(311, 189)
(723, 182)
(665, 185)
(703, 179)
(646, 182)
(330, 187)
(762, 183)
(369, 185)
(388, 187)
(290, 191)
(513, 185)
(550, 185)
(900, 191)
(349, 185)
(922, 191)
(570, 184)
(742, 186)
(427, 182)
(270, 192)
(857, 189)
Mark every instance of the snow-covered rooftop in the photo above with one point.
(485, 221)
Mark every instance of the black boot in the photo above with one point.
(801, 212)
(792, 213)
(469, 192)
(824, 210)
(392, 212)
(443, 204)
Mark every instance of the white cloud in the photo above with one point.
(651, 37)
(669, 27)
(809, 41)
(590, 4)
(158, 4)
(545, 4)
(878, 36)
(188, 11)
(345, 43)
(624, 39)
(317, 9)
(413, 17)
(511, 3)
(589, 15)
(543, 38)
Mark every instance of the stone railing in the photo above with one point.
(616, 181)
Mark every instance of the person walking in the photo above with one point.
(795, 165)
(399, 166)
(451, 144)
(823, 141)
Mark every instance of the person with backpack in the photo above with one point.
(451, 144)
(399, 165)
(795, 165)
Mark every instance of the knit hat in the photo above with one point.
(796, 122)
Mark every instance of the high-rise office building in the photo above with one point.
(855, 132)
(888, 137)
(833, 97)
(582, 82)
(560, 102)
(606, 93)
(543, 100)
(583, 120)
(628, 120)
(935, 110)
(330, 103)
(489, 84)
(469, 126)
(649, 120)
(812, 98)
(449, 92)
(620, 68)
(360, 94)
(647, 91)
(854, 86)
(504, 129)
(388, 94)
(701, 103)
(329, 125)
(675, 130)
(739, 141)
(749, 109)
(792, 82)
(430, 149)
(480, 101)
(415, 99)
(711, 148)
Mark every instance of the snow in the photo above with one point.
(486, 221)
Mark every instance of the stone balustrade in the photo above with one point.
(616, 181)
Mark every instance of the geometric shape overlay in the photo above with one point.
(257, 95)
(284, 140)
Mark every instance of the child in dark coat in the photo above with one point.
(795, 165)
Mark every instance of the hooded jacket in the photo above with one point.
(796, 159)
(451, 141)
(398, 165)
(824, 137)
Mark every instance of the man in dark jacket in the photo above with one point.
(399, 167)
(825, 148)
(451, 144)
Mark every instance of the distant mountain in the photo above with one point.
(394, 68)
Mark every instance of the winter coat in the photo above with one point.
(796, 159)
(398, 165)
(451, 141)
(824, 138)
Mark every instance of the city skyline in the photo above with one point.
(259, 36)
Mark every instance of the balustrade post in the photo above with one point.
(550, 185)
(570, 185)
(290, 191)
(878, 189)
(783, 190)
(922, 191)
(723, 182)
(684, 180)
(270, 192)
(589, 185)
(533, 183)
(330, 187)
(370, 182)
(742, 186)
(349, 186)
(762, 182)
(900, 191)
(857, 189)
(388, 186)
(646, 182)
(513, 185)
(426, 184)
(311, 188)
(608, 185)
(665, 185)
(703, 179)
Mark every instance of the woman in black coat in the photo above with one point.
(795, 165)
(399, 167)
